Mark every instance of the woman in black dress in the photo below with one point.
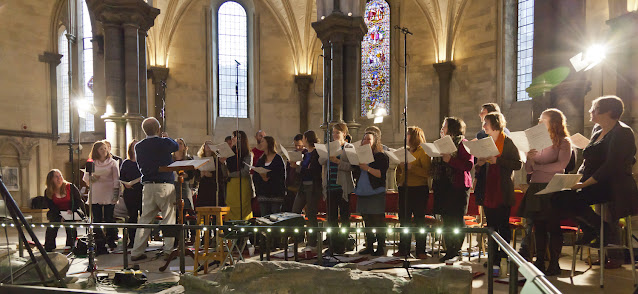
(130, 173)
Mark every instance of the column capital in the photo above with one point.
(158, 73)
(339, 26)
(444, 69)
(50, 58)
(124, 12)
(303, 82)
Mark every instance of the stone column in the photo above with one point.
(303, 87)
(143, 74)
(341, 35)
(159, 75)
(327, 82)
(625, 57)
(52, 59)
(124, 23)
(444, 70)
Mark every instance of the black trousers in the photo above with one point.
(413, 201)
(545, 228)
(104, 214)
(455, 207)
(133, 202)
(375, 221)
(338, 212)
(498, 220)
(52, 233)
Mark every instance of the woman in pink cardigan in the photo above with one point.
(543, 165)
(105, 190)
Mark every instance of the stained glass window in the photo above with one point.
(232, 36)
(63, 84)
(525, 48)
(375, 57)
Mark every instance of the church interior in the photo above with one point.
(77, 72)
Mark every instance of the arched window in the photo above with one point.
(86, 78)
(232, 36)
(62, 72)
(375, 57)
(525, 48)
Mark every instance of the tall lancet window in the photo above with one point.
(62, 72)
(375, 57)
(525, 48)
(232, 39)
(86, 79)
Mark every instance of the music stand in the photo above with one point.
(179, 210)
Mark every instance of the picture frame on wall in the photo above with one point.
(11, 178)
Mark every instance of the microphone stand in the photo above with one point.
(238, 144)
(405, 32)
(163, 111)
(90, 168)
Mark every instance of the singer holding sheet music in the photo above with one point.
(270, 188)
(607, 177)
(210, 180)
(61, 196)
(105, 190)
(132, 193)
(413, 199)
(497, 185)
(542, 166)
(311, 185)
(338, 188)
(158, 192)
(238, 167)
(451, 183)
(370, 191)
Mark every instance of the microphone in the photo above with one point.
(237, 62)
(404, 30)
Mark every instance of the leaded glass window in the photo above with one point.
(232, 36)
(375, 57)
(62, 72)
(525, 48)
(86, 79)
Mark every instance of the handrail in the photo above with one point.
(527, 269)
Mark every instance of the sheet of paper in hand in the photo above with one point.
(209, 166)
(482, 148)
(195, 163)
(398, 156)
(536, 137)
(560, 182)
(579, 141)
(70, 216)
(364, 154)
(444, 145)
(222, 150)
(258, 169)
(322, 150)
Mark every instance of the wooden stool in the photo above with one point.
(203, 218)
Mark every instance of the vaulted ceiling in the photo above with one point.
(295, 17)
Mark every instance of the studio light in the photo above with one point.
(589, 58)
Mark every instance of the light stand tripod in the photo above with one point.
(90, 168)
(20, 222)
(405, 32)
(240, 157)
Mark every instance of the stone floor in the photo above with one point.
(585, 281)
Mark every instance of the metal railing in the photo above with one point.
(536, 282)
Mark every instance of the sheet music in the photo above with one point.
(364, 154)
(70, 216)
(353, 158)
(335, 147)
(196, 163)
(222, 150)
(400, 155)
(444, 145)
(209, 166)
(431, 150)
(536, 137)
(560, 182)
(130, 183)
(322, 150)
(97, 172)
(293, 156)
(579, 141)
(259, 169)
(357, 144)
(482, 148)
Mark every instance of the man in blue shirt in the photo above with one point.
(158, 193)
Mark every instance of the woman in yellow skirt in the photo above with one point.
(239, 171)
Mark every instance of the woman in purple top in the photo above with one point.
(543, 165)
